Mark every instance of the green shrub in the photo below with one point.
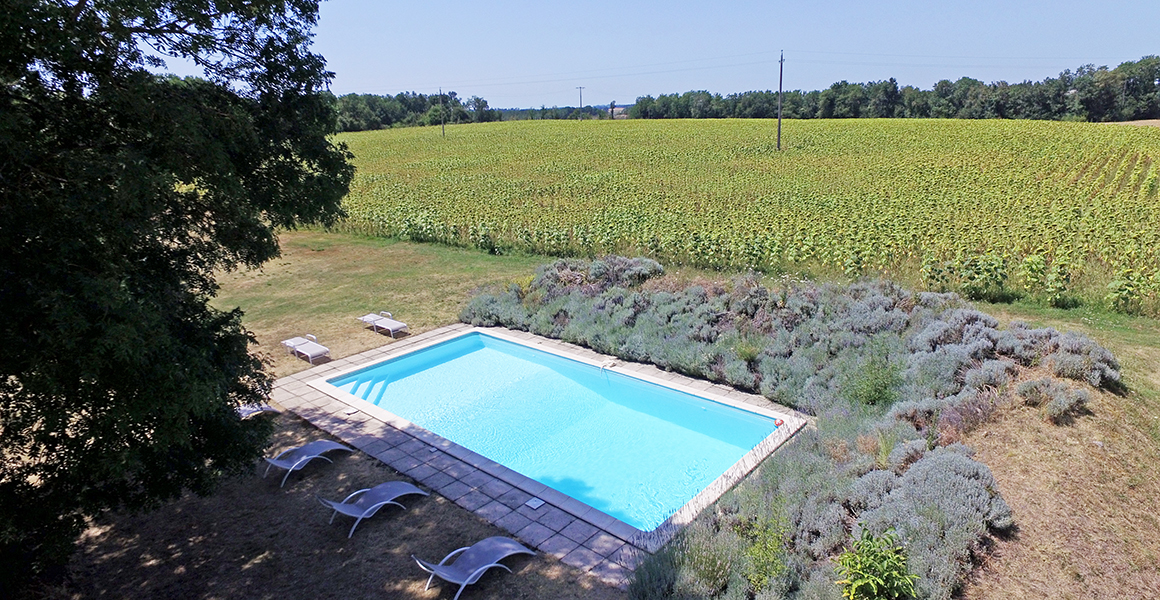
(765, 550)
(982, 277)
(1125, 292)
(876, 382)
(874, 569)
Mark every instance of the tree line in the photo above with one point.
(1129, 92)
(361, 112)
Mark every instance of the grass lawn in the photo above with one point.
(323, 282)
(1084, 495)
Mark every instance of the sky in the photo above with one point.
(521, 54)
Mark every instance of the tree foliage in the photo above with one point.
(122, 193)
(362, 112)
(1129, 92)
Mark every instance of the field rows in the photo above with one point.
(718, 194)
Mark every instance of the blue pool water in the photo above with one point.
(635, 450)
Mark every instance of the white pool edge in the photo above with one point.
(650, 540)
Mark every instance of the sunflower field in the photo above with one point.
(975, 203)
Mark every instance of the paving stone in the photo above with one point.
(574, 506)
(405, 462)
(373, 446)
(599, 518)
(555, 518)
(437, 480)
(458, 469)
(513, 522)
(579, 531)
(454, 490)
(393, 436)
(612, 574)
(495, 488)
(621, 530)
(493, 511)
(582, 558)
(420, 472)
(443, 461)
(535, 534)
(628, 556)
(604, 544)
(477, 479)
(473, 500)
(392, 455)
(514, 498)
(558, 546)
(529, 512)
(413, 447)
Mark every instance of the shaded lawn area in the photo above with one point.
(255, 540)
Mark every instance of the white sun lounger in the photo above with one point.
(293, 342)
(296, 458)
(251, 410)
(384, 320)
(370, 500)
(308, 347)
(473, 561)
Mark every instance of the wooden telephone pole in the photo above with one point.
(780, 71)
(443, 116)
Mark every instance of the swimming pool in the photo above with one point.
(631, 448)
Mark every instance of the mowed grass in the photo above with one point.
(324, 281)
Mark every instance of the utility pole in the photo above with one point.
(580, 115)
(443, 118)
(780, 72)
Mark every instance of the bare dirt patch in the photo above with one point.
(256, 540)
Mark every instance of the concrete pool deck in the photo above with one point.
(575, 533)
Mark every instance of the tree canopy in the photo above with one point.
(1129, 92)
(122, 194)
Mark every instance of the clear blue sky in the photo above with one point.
(520, 53)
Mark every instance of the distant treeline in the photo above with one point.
(1129, 92)
(557, 112)
(360, 112)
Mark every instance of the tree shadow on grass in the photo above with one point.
(253, 539)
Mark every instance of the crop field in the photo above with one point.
(1044, 200)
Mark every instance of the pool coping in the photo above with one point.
(572, 531)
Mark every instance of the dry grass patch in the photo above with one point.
(1085, 496)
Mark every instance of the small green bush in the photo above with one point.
(875, 569)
